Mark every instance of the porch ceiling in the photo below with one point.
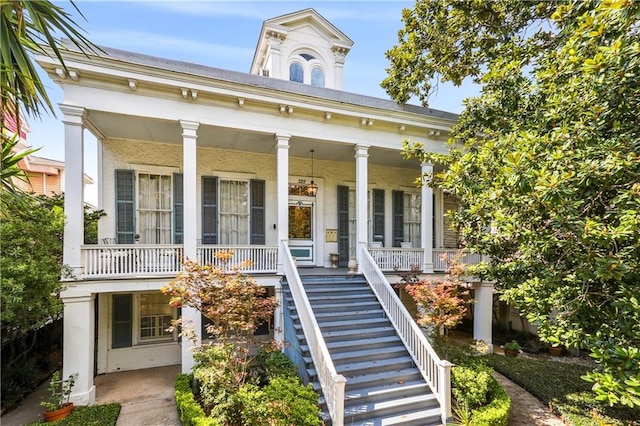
(125, 127)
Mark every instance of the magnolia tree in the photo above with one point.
(545, 161)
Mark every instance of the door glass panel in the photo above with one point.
(300, 222)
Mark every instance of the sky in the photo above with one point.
(224, 34)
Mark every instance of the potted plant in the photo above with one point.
(512, 349)
(58, 405)
(555, 350)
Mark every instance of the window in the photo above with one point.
(234, 212)
(296, 73)
(155, 317)
(141, 318)
(154, 208)
(412, 219)
(317, 77)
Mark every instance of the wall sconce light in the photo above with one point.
(312, 188)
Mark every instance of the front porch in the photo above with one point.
(102, 261)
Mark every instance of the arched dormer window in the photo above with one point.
(317, 77)
(296, 73)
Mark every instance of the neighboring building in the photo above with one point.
(46, 176)
(273, 164)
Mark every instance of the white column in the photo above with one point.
(482, 313)
(362, 154)
(78, 346)
(191, 316)
(73, 187)
(282, 158)
(427, 220)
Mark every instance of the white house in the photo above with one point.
(276, 164)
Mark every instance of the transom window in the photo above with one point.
(154, 208)
(306, 68)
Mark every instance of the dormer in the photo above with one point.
(303, 47)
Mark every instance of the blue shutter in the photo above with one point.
(209, 210)
(343, 225)
(378, 215)
(178, 209)
(257, 212)
(122, 317)
(397, 200)
(125, 206)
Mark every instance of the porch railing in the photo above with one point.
(435, 371)
(441, 258)
(257, 259)
(331, 382)
(392, 258)
(127, 260)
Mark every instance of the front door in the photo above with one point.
(302, 231)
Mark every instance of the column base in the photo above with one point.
(84, 398)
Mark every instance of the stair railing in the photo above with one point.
(331, 382)
(435, 371)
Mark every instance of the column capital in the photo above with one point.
(72, 114)
(426, 166)
(362, 150)
(189, 128)
(282, 140)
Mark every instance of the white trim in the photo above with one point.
(152, 169)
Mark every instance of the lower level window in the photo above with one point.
(155, 317)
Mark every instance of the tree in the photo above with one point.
(545, 161)
(28, 27)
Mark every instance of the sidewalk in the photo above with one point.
(146, 396)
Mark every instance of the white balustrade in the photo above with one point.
(126, 260)
(442, 258)
(396, 258)
(435, 371)
(332, 383)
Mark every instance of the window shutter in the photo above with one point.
(121, 331)
(257, 212)
(397, 199)
(125, 206)
(378, 215)
(209, 210)
(343, 225)
(178, 209)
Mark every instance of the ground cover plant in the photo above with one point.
(99, 415)
(559, 385)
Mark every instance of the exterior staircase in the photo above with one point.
(383, 385)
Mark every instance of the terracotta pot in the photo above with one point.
(61, 413)
(511, 353)
(555, 350)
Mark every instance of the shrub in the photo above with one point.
(103, 415)
(470, 385)
(271, 362)
(190, 412)
(283, 402)
(496, 413)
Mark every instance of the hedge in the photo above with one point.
(190, 412)
(496, 413)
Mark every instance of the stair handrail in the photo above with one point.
(436, 371)
(331, 382)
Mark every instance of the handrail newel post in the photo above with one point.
(445, 390)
